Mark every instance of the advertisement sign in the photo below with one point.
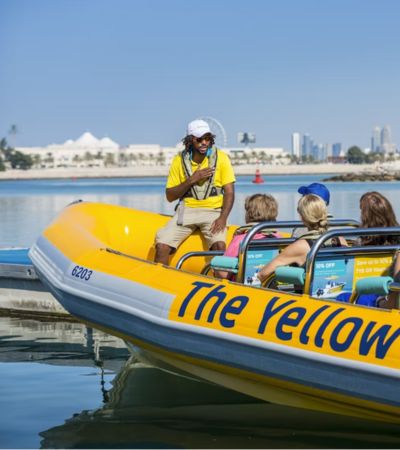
(332, 276)
(337, 275)
(256, 259)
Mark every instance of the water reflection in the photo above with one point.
(64, 385)
(68, 343)
(150, 408)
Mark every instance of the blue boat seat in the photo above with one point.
(367, 291)
(290, 275)
(226, 263)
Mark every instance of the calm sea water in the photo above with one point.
(28, 206)
(64, 385)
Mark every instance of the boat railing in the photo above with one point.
(205, 253)
(248, 243)
(395, 287)
(317, 251)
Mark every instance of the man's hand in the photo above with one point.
(177, 192)
(218, 225)
(201, 174)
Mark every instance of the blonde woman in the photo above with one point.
(314, 214)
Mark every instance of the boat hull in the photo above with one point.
(286, 349)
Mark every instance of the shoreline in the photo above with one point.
(162, 171)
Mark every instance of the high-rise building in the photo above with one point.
(306, 150)
(315, 152)
(325, 150)
(296, 145)
(336, 149)
(386, 140)
(376, 139)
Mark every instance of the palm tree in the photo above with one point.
(49, 160)
(88, 157)
(37, 161)
(3, 144)
(109, 160)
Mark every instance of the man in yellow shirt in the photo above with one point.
(202, 179)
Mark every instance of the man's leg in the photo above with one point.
(219, 245)
(169, 238)
(215, 241)
(163, 252)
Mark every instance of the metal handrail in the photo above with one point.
(394, 286)
(311, 257)
(186, 256)
(246, 244)
(278, 225)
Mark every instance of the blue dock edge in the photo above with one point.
(20, 288)
(15, 256)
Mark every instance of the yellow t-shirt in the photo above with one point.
(223, 175)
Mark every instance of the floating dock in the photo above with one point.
(20, 288)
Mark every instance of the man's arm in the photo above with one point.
(229, 198)
(177, 192)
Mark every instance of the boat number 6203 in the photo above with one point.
(81, 272)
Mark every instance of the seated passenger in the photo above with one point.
(391, 301)
(259, 208)
(317, 189)
(377, 211)
(314, 214)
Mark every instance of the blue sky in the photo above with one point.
(139, 70)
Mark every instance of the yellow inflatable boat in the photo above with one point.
(293, 349)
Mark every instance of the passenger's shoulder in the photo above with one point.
(300, 244)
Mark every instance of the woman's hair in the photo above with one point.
(187, 141)
(377, 211)
(313, 212)
(260, 208)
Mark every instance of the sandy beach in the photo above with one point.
(161, 171)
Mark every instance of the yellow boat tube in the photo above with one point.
(285, 348)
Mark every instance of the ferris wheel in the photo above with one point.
(221, 139)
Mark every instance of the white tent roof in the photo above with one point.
(87, 140)
(107, 142)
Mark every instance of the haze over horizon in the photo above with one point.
(139, 70)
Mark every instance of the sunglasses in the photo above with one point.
(206, 137)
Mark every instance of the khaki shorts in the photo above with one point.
(193, 218)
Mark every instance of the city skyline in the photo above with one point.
(139, 71)
(303, 145)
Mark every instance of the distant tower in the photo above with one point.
(376, 139)
(318, 152)
(296, 145)
(336, 150)
(307, 146)
(386, 140)
(325, 152)
(329, 150)
(246, 138)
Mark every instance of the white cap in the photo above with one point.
(198, 128)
